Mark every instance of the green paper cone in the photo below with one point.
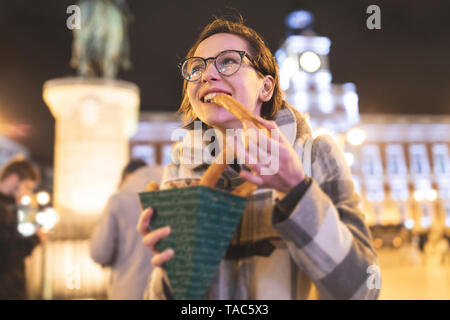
(203, 221)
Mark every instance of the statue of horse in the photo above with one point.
(101, 45)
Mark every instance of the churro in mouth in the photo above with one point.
(215, 170)
(238, 110)
(209, 97)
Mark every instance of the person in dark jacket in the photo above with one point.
(17, 178)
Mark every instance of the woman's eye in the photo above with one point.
(196, 68)
(228, 61)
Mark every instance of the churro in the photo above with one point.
(215, 170)
(152, 186)
(238, 110)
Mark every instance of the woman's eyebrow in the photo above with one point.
(217, 53)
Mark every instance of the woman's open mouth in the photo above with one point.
(208, 98)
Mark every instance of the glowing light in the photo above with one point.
(301, 101)
(350, 99)
(425, 222)
(419, 195)
(377, 243)
(310, 61)
(431, 194)
(397, 242)
(409, 224)
(25, 200)
(321, 131)
(356, 136)
(21, 215)
(52, 213)
(323, 77)
(26, 229)
(350, 158)
(43, 198)
(287, 69)
(326, 102)
(299, 80)
(40, 217)
(48, 218)
(299, 19)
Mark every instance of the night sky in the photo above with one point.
(402, 68)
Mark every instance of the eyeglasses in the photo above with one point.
(227, 62)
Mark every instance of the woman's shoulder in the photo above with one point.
(327, 159)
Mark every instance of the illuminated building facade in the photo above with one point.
(402, 170)
(306, 79)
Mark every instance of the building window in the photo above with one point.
(144, 152)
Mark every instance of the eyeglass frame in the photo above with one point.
(242, 54)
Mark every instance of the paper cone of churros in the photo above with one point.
(203, 218)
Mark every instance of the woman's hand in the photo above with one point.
(273, 161)
(151, 238)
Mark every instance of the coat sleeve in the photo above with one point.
(326, 234)
(104, 240)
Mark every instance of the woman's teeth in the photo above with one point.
(208, 98)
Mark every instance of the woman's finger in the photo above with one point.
(251, 178)
(144, 221)
(267, 123)
(261, 150)
(159, 259)
(151, 239)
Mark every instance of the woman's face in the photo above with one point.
(245, 85)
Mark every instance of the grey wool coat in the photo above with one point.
(323, 249)
(116, 243)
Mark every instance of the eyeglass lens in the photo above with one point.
(227, 63)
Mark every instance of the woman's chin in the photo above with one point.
(217, 117)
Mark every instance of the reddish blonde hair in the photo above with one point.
(262, 58)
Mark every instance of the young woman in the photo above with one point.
(311, 234)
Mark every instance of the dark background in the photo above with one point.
(402, 68)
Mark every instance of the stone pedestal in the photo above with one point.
(95, 119)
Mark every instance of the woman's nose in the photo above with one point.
(210, 73)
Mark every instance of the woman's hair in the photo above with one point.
(131, 167)
(262, 58)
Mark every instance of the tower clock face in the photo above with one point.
(310, 61)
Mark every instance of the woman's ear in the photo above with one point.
(266, 91)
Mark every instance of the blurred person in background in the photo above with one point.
(18, 178)
(115, 241)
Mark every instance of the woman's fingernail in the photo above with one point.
(167, 230)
